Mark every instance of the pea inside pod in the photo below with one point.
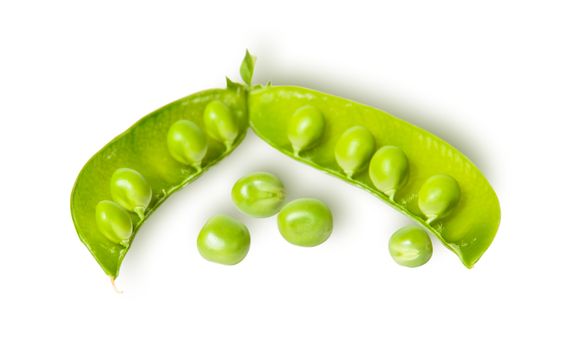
(187, 143)
(467, 231)
(220, 123)
(114, 222)
(354, 149)
(158, 155)
(131, 190)
(438, 196)
(389, 170)
(306, 128)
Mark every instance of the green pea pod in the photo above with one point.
(143, 148)
(470, 226)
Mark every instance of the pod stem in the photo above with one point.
(141, 212)
(113, 281)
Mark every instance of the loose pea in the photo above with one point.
(305, 128)
(114, 222)
(438, 196)
(187, 143)
(220, 123)
(410, 246)
(305, 222)
(389, 169)
(354, 149)
(224, 240)
(131, 190)
(258, 194)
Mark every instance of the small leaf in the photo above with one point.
(247, 68)
(230, 85)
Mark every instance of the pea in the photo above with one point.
(305, 222)
(114, 222)
(305, 128)
(220, 123)
(354, 149)
(131, 190)
(258, 194)
(223, 240)
(389, 170)
(410, 246)
(438, 196)
(187, 143)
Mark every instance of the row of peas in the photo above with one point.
(388, 166)
(130, 191)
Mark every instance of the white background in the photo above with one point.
(488, 76)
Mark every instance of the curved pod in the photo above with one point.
(470, 227)
(144, 147)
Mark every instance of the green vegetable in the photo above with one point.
(389, 170)
(131, 190)
(443, 191)
(145, 147)
(258, 194)
(187, 143)
(410, 246)
(305, 128)
(220, 123)
(305, 222)
(438, 196)
(471, 225)
(224, 240)
(114, 222)
(354, 149)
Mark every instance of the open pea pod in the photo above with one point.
(124, 182)
(322, 131)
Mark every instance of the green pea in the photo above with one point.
(258, 194)
(305, 222)
(305, 128)
(187, 143)
(114, 222)
(131, 190)
(220, 123)
(223, 240)
(410, 246)
(389, 170)
(354, 149)
(438, 196)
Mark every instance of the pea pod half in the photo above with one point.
(166, 149)
(457, 203)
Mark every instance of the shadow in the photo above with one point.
(360, 89)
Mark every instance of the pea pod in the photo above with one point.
(467, 229)
(144, 149)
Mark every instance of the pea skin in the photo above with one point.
(259, 194)
(305, 128)
(224, 240)
(220, 123)
(410, 246)
(305, 222)
(187, 143)
(131, 190)
(354, 149)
